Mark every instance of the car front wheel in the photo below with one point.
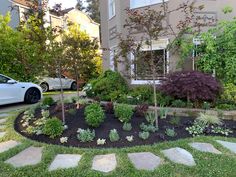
(73, 86)
(32, 96)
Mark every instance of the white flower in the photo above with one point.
(101, 141)
(63, 139)
(65, 127)
(130, 138)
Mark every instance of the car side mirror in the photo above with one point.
(11, 81)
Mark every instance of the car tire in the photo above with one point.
(32, 96)
(73, 86)
(44, 87)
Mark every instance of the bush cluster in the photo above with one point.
(123, 112)
(94, 115)
(53, 127)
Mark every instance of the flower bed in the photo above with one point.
(110, 132)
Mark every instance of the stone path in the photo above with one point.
(30, 156)
(229, 145)
(104, 163)
(65, 161)
(205, 147)
(145, 160)
(5, 146)
(179, 155)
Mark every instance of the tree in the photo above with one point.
(19, 57)
(154, 25)
(81, 52)
(79, 5)
(93, 10)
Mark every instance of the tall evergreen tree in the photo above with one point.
(93, 10)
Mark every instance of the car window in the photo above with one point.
(3, 80)
(63, 76)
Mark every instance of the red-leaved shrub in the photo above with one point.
(191, 85)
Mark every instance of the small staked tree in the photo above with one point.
(81, 53)
(153, 24)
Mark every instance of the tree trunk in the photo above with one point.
(61, 96)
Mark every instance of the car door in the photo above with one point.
(9, 93)
(66, 82)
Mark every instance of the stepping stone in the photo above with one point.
(179, 155)
(5, 146)
(4, 115)
(229, 145)
(144, 160)
(2, 134)
(104, 163)
(205, 147)
(2, 121)
(64, 161)
(30, 156)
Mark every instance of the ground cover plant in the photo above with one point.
(46, 126)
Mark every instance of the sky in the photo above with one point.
(65, 3)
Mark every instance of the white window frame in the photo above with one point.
(144, 82)
(145, 3)
(111, 8)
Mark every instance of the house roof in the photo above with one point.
(22, 2)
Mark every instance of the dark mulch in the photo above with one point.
(78, 121)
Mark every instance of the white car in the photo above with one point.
(53, 83)
(12, 91)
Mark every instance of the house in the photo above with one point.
(113, 19)
(18, 7)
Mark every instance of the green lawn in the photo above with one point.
(208, 165)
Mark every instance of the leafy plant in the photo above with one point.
(150, 117)
(94, 115)
(144, 135)
(221, 130)
(129, 138)
(206, 105)
(85, 135)
(144, 93)
(72, 111)
(123, 112)
(189, 85)
(197, 128)
(141, 109)
(63, 140)
(45, 113)
(209, 119)
(53, 127)
(226, 107)
(163, 112)
(101, 141)
(148, 128)
(48, 101)
(127, 126)
(178, 104)
(170, 132)
(175, 120)
(229, 93)
(113, 135)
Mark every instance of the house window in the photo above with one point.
(112, 8)
(143, 65)
(142, 3)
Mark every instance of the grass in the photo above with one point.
(208, 165)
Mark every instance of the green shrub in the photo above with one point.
(94, 115)
(113, 135)
(163, 112)
(229, 93)
(53, 128)
(144, 135)
(197, 128)
(178, 104)
(170, 132)
(48, 101)
(127, 127)
(206, 105)
(209, 119)
(123, 112)
(226, 107)
(85, 135)
(144, 93)
(163, 99)
(108, 86)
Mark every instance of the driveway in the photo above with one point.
(19, 106)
